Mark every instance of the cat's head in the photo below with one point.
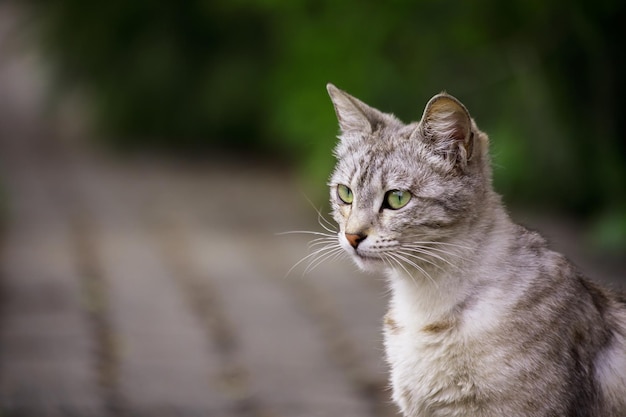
(401, 192)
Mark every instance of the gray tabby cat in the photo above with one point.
(484, 319)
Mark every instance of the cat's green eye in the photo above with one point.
(345, 194)
(396, 199)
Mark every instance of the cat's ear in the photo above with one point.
(448, 125)
(352, 114)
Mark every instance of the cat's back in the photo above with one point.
(610, 361)
(565, 334)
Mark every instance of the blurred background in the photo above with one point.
(545, 79)
(149, 152)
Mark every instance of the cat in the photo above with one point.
(484, 319)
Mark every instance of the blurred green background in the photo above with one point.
(544, 79)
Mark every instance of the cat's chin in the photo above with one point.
(368, 263)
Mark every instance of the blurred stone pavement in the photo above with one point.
(140, 286)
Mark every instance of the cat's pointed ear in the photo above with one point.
(448, 125)
(352, 113)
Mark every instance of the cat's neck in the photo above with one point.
(451, 286)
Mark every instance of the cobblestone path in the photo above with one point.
(141, 288)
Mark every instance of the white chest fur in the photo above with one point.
(436, 359)
(431, 373)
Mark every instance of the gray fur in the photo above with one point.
(484, 319)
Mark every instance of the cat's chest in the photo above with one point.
(433, 366)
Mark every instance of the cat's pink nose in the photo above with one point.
(355, 239)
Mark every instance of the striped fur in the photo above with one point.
(484, 319)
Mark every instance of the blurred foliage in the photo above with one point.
(544, 79)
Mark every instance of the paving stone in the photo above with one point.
(164, 360)
(46, 349)
(290, 369)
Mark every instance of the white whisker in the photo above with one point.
(305, 232)
(410, 254)
(313, 255)
(425, 246)
(327, 237)
(322, 258)
(428, 252)
(327, 224)
(436, 242)
(386, 261)
(323, 248)
(325, 241)
(397, 262)
(416, 266)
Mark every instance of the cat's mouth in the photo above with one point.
(367, 257)
(363, 257)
